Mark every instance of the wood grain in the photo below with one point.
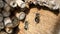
(45, 26)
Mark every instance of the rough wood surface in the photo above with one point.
(45, 26)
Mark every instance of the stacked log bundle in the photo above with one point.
(29, 16)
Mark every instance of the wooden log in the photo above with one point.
(45, 26)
